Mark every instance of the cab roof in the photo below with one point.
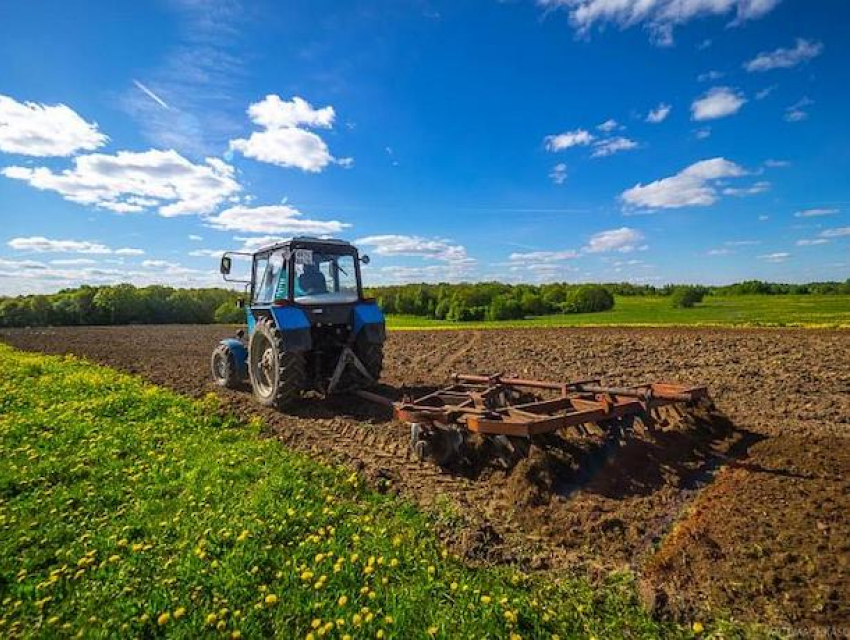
(305, 240)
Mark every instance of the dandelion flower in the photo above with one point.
(212, 619)
(343, 600)
(485, 599)
(179, 613)
(271, 599)
(697, 627)
(163, 618)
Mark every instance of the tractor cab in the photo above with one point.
(309, 325)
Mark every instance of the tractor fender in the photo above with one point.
(240, 355)
(294, 326)
(369, 319)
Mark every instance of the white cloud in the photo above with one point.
(559, 173)
(702, 134)
(34, 129)
(785, 58)
(718, 102)
(279, 218)
(692, 186)
(568, 139)
(814, 213)
(660, 17)
(763, 218)
(544, 256)
(812, 242)
(659, 114)
(39, 244)
(129, 182)
(129, 252)
(754, 189)
(608, 126)
(402, 245)
(284, 140)
(206, 253)
(73, 262)
(623, 240)
(838, 232)
(709, 76)
(777, 164)
(796, 112)
(610, 146)
(159, 264)
(763, 93)
(775, 257)
(718, 252)
(742, 243)
(274, 113)
(195, 238)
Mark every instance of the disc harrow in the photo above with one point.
(501, 418)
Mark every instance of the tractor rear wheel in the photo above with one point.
(277, 376)
(223, 366)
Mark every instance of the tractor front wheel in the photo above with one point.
(277, 376)
(223, 366)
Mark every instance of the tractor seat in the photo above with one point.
(312, 282)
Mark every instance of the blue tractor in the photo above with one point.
(309, 325)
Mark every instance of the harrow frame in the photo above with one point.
(498, 406)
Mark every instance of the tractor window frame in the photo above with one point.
(327, 249)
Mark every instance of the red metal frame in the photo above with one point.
(514, 407)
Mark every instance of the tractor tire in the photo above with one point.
(277, 376)
(371, 355)
(223, 366)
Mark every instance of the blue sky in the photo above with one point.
(530, 141)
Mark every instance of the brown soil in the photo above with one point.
(750, 518)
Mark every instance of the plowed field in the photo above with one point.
(752, 520)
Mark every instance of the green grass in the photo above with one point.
(129, 511)
(736, 311)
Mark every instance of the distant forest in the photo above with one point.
(127, 304)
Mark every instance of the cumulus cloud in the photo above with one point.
(718, 102)
(802, 51)
(623, 240)
(610, 146)
(130, 182)
(814, 213)
(660, 17)
(285, 140)
(561, 141)
(559, 173)
(416, 246)
(659, 114)
(279, 218)
(693, 186)
(40, 244)
(33, 129)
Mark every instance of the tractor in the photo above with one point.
(310, 328)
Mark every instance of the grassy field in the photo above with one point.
(129, 511)
(746, 311)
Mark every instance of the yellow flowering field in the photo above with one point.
(129, 511)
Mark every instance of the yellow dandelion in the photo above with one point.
(343, 600)
(179, 613)
(453, 586)
(271, 599)
(432, 631)
(163, 618)
(485, 599)
(236, 634)
(356, 619)
(316, 623)
(697, 627)
(212, 619)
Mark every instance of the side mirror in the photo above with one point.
(240, 303)
(226, 263)
(365, 259)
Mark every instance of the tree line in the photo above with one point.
(127, 304)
